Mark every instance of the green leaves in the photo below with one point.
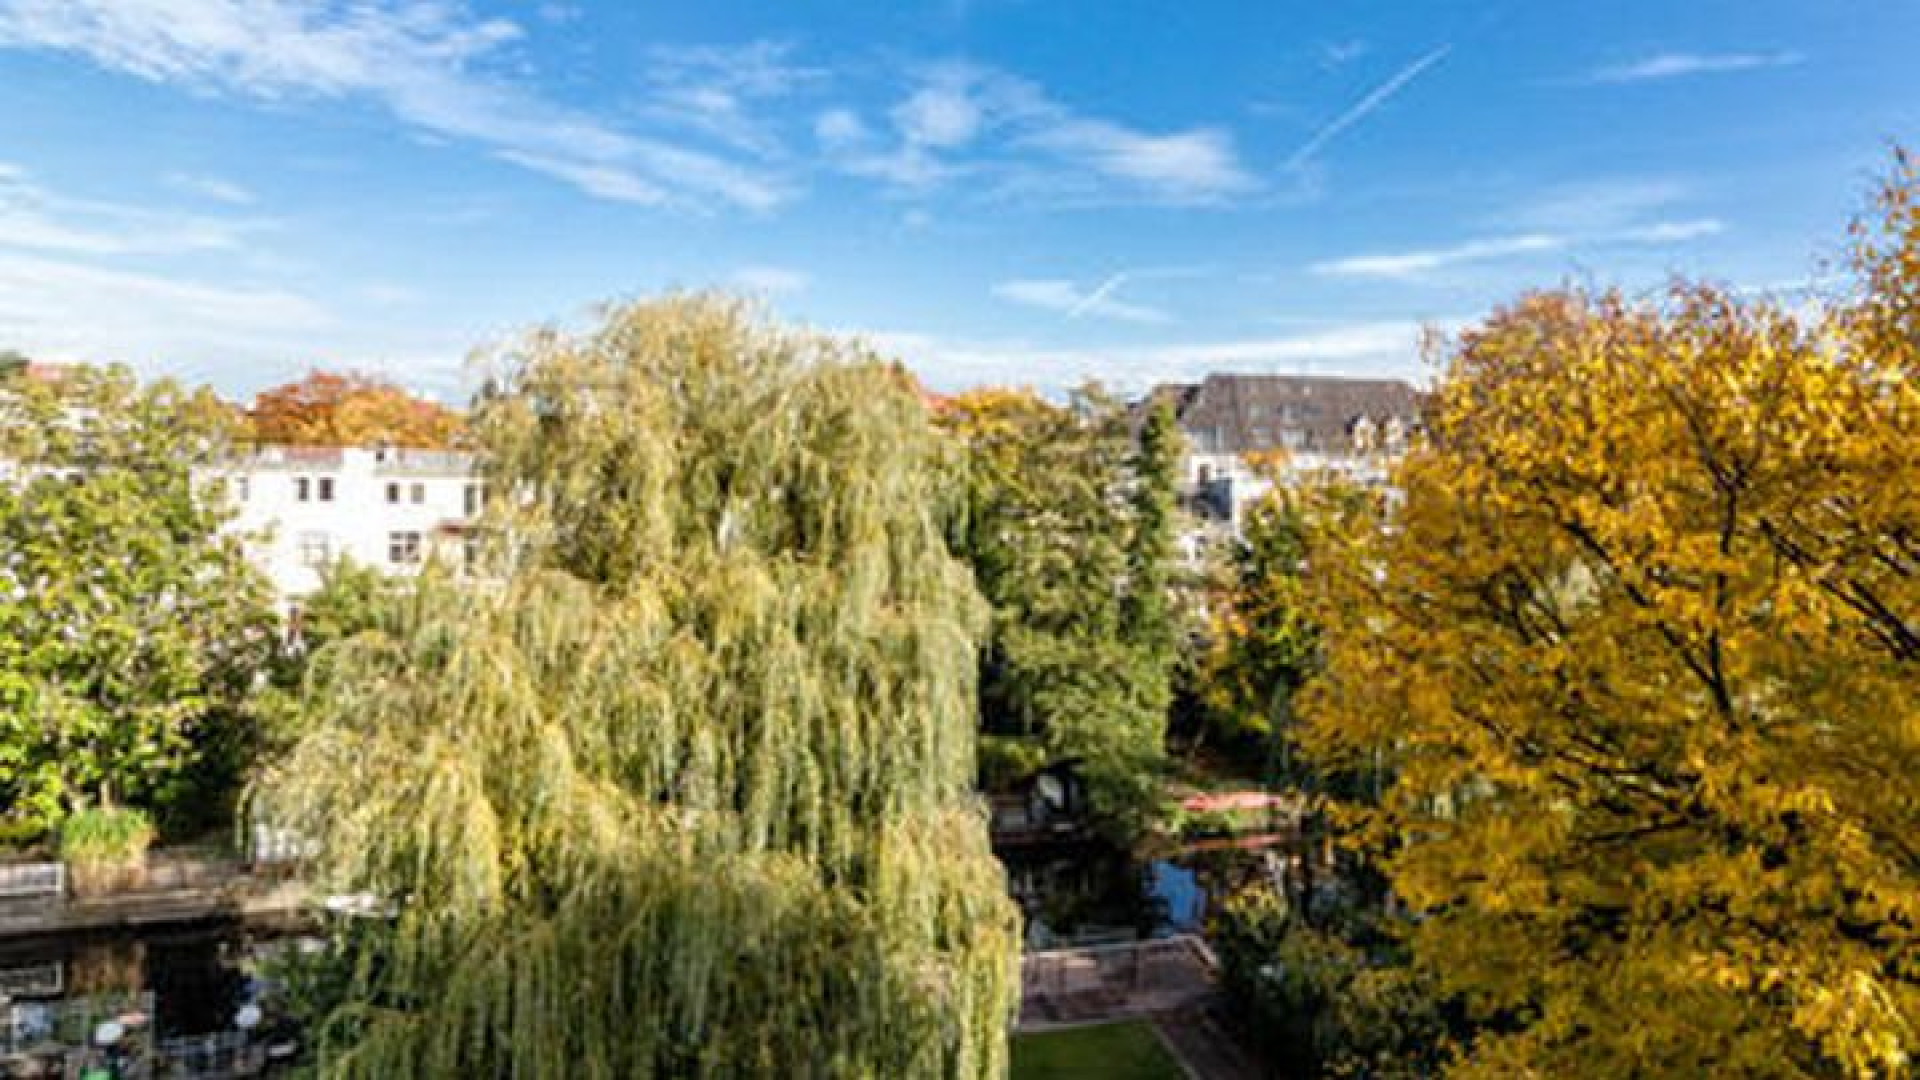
(127, 621)
(687, 792)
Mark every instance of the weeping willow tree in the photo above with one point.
(687, 793)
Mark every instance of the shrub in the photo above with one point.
(105, 848)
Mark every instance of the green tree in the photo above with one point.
(688, 791)
(12, 362)
(1641, 650)
(130, 626)
(1053, 532)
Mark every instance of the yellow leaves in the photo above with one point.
(1641, 648)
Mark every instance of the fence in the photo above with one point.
(28, 881)
(1108, 982)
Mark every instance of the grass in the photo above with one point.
(1127, 1051)
(105, 835)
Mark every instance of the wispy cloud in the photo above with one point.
(1364, 108)
(1410, 264)
(1603, 230)
(723, 92)
(1071, 301)
(211, 187)
(1389, 347)
(1678, 65)
(968, 120)
(1673, 232)
(434, 66)
(771, 281)
(65, 308)
(36, 219)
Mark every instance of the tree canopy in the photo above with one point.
(1640, 649)
(327, 409)
(1069, 530)
(129, 625)
(688, 792)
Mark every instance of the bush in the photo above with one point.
(105, 848)
(1328, 1001)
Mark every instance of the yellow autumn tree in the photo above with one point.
(1641, 651)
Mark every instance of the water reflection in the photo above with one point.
(1092, 893)
(175, 1001)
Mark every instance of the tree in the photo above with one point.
(12, 362)
(1261, 643)
(130, 626)
(689, 792)
(1640, 650)
(325, 409)
(1078, 658)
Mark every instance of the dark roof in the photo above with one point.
(1241, 413)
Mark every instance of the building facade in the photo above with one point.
(300, 509)
(1349, 429)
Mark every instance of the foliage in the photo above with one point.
(1125, 1051)
(688, 793)
(105, 835)
(325, 409)
(1262, 644)
(1641, 649)
(1069, 536)
(1334, 1001)
(130, 627)
(12, 362)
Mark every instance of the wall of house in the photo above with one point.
(302, 508)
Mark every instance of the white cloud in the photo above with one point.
(938, 116)
(36, 219)
(1190, 164)
(432, 65)
(1335, 54)
(1675, 65)
(839, 126)
(1411, 264)
(1364, 108)
(1673, 232)
(721, 92)
(1598, 205)
(1384, 348)
(1068, 299)
(968, 120)
(212, 187)
(771, 281)
(58, 307)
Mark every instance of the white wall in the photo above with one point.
(291, 539)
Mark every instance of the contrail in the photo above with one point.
(1375, 98)
(1093, 298)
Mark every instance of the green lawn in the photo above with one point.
(1128, 1051)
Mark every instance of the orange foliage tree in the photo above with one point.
(325, 409)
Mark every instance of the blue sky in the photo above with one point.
(1023, 191)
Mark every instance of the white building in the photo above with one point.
(302, 508)
(1352, 429)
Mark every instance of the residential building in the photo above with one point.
(301, 508)
(1314, 425)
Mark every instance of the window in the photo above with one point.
(302, 488)
(473, 499)
(240, 491)
(326, 489)
(393, 493)
(419, 493)
(316, 549)
(403, 548)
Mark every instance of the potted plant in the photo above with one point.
(105, 849)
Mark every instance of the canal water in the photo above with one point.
(1094, 894)
(189, 1000)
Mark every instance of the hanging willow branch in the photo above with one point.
(688, 793)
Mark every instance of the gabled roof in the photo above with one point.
(1242, 413)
